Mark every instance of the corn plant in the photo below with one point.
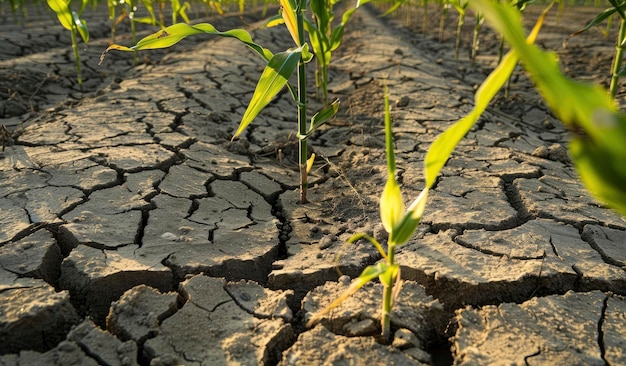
(274, 78)
(461, 8)
(598, 128)
(479, 20)
(71, 21)
(618, 70)
(445, 7)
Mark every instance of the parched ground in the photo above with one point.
(134, 231)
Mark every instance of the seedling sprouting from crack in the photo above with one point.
(400, 224)
(274, 78)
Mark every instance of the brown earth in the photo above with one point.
(133, 231)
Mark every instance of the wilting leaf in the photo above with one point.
(171, 35)
(368, 274)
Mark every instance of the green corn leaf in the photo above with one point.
(63, 12)
(391, 202)
(173, 34)
(146, 20)
(317, 42)
(374, 242)
(618, 7)
(393, 8)
(597, 20)
(324, 115)
(83, 5)
(368, 274)
(391, 205)
(81, 26)
(405, 228)
(388, 277)
(598, 149)
(272, 81)
(601, 172)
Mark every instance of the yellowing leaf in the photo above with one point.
(63, 12)
(289, 16)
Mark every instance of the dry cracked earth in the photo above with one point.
(134, 232)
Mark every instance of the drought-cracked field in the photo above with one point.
(134, 231)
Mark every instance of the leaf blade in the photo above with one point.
(273, 79)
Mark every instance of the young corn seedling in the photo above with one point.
(475, 40)
(274, 78)
(71, 21)
(618, 70)
(461, 8)
(400, 223)
(598, 128)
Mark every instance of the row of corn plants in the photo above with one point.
(70, 16)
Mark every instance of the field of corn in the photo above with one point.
(312, 182)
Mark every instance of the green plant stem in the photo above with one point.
(475, 40)
(617, 62)
(387, 299)
(76, 55)
(457, 44)
(302, 143)
(386, 315)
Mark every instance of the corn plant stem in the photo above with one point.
(387, 299)
(76, 55)
(475, 40)
(457, 44)
(425, 17)
(133, 32)
(386, 315)
(302, 125)
(617, 62)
